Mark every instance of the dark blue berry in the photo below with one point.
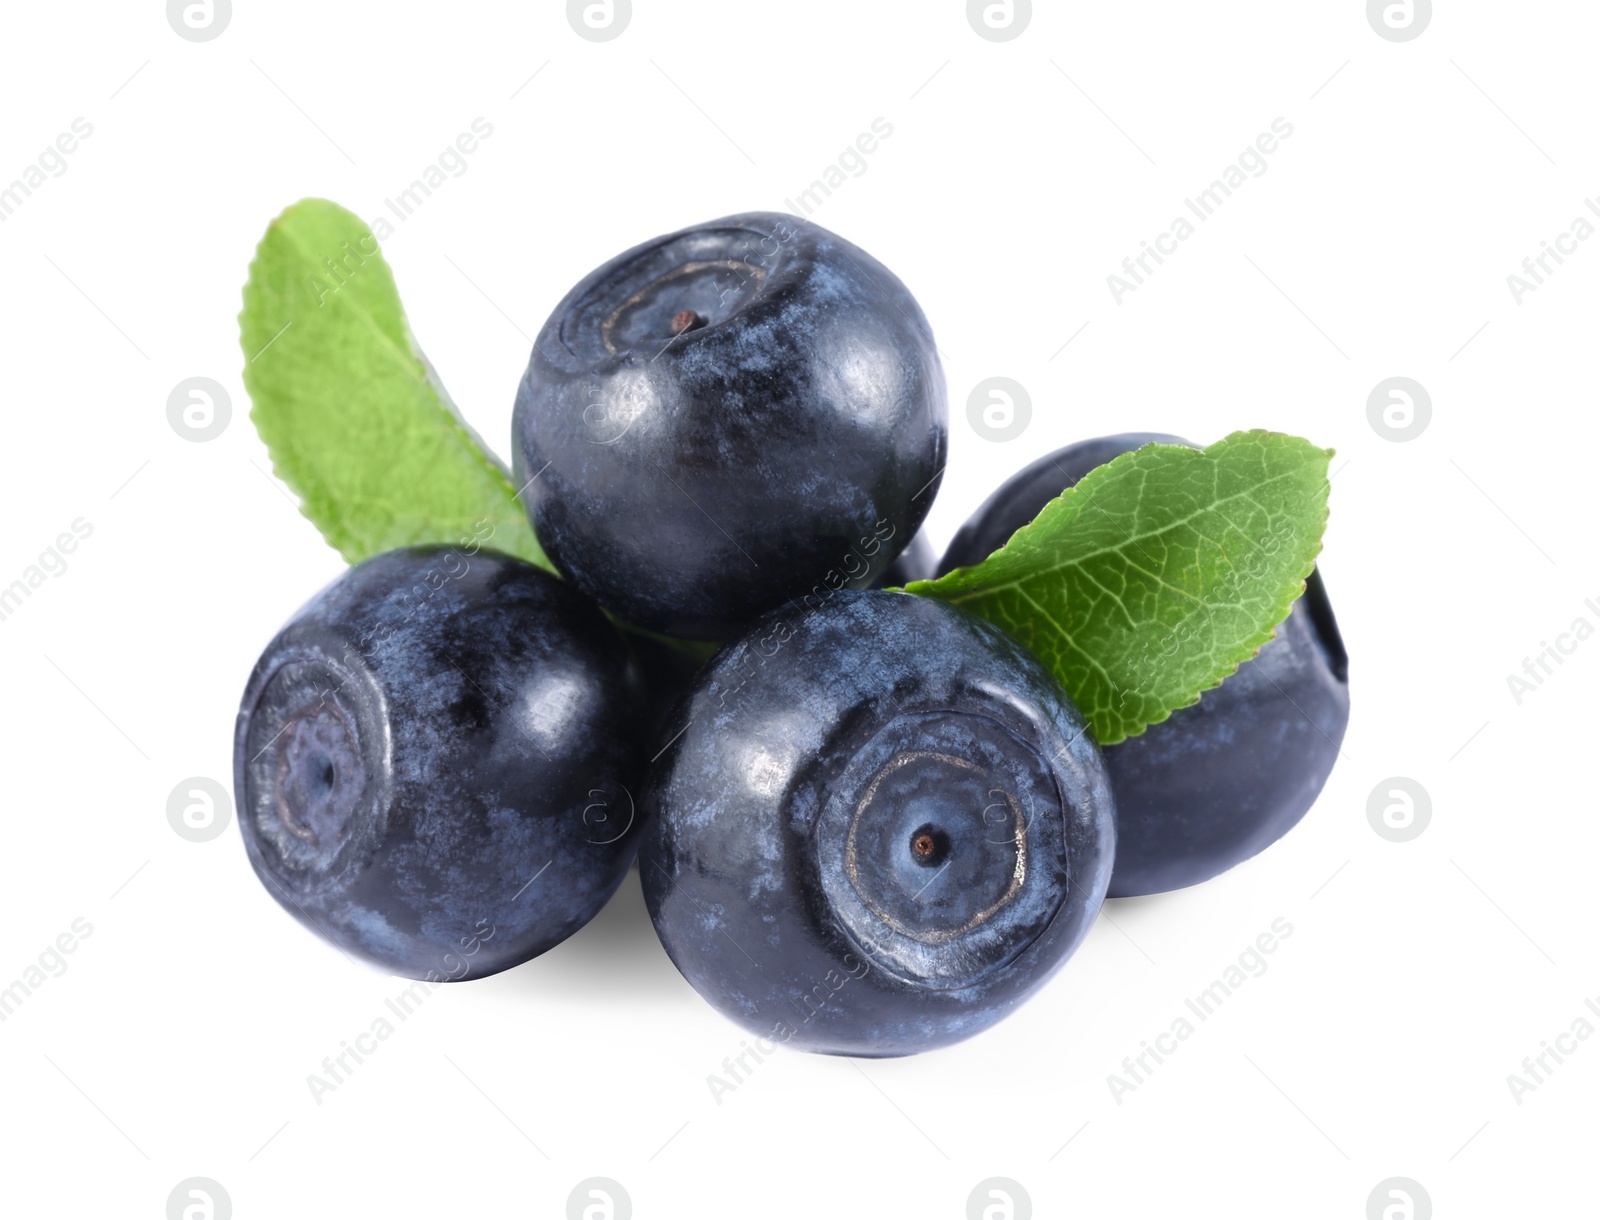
(434, 763)
(881, 827)
(718, 419)
(1227, 777)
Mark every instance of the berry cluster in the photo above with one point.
(871, 823)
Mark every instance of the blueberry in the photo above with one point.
(881, 828)
(1224, 779)
(434, 763)
(719, 419)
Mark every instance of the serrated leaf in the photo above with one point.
(352, 413)
(1158, 574)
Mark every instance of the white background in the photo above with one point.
(1418, 976)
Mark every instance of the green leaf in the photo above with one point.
(1158, 574)
(352, 413)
